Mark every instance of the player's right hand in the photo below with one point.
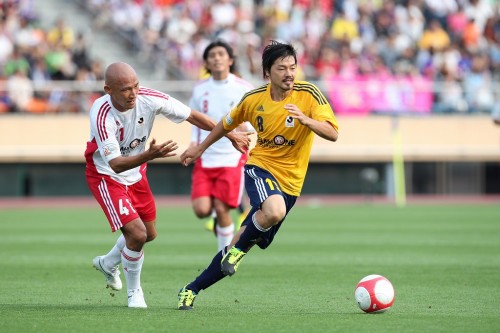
(162, 150)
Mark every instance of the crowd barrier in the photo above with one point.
(62, 138)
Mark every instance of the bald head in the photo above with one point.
(121, 83)
(119, 72)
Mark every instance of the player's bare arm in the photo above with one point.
(240, 140)
(161, 150)
(194, 152)
(322, 128)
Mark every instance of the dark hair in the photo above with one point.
(229, 50)
(276, 50)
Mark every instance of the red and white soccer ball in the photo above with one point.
(374, 294)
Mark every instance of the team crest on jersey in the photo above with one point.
(289, 121)
(107, 150)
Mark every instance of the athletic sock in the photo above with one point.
(132, 266)
(209, 276)
(251, 235)
(114, 256)
(224, 235)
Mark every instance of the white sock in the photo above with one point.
(114, 256)
(132, 266)
(224, 235)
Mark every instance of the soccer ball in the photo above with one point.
(374, 294)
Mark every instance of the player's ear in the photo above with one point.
(107, 89)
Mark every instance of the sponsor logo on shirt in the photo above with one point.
(277, 141)
(141, 120)
(260, 108)
(132, 145)
(229, 120)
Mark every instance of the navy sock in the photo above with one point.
(249, 237)
(209, 276)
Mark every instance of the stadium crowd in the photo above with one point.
(33, 60)
(454, 44)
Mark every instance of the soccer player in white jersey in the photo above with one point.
(218, 179)
(116, 157)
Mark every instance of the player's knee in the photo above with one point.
(275, 214)
(140, 237)
(151, 235)
(202, 212)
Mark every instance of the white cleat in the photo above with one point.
(136, 299)
(112, 277)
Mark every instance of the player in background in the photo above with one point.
(286, 114)
(217, 178)
(116, 161)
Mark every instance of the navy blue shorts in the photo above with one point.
(259, 185)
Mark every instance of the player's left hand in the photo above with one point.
(190, 155)
(296, 113)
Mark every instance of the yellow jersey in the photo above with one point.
(283, 145)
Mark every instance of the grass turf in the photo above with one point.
(443, 260)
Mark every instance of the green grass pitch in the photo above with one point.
(443, 260)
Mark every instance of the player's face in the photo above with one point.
(218, 62)
(282, 73)
(123, 92)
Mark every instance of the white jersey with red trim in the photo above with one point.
(114, 133)
(216, 98)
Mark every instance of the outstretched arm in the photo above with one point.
(240, 140)
(194, 152)
(161, 150)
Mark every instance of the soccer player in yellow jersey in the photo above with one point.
(285, 114)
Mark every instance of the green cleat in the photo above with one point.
(186, 299)
(210, 225)
(231, 260)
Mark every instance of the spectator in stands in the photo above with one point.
(449, 94)
(79, 52)
(307, 23)
(410, 19)
(456, 22)
(17, 61)
(6, 45)
(478, 86)
(471, 36)
(19, 90)
(434, 37)
(344, 29)
(496, 113)
(439, 11)
(61, 34)
(59, 63)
